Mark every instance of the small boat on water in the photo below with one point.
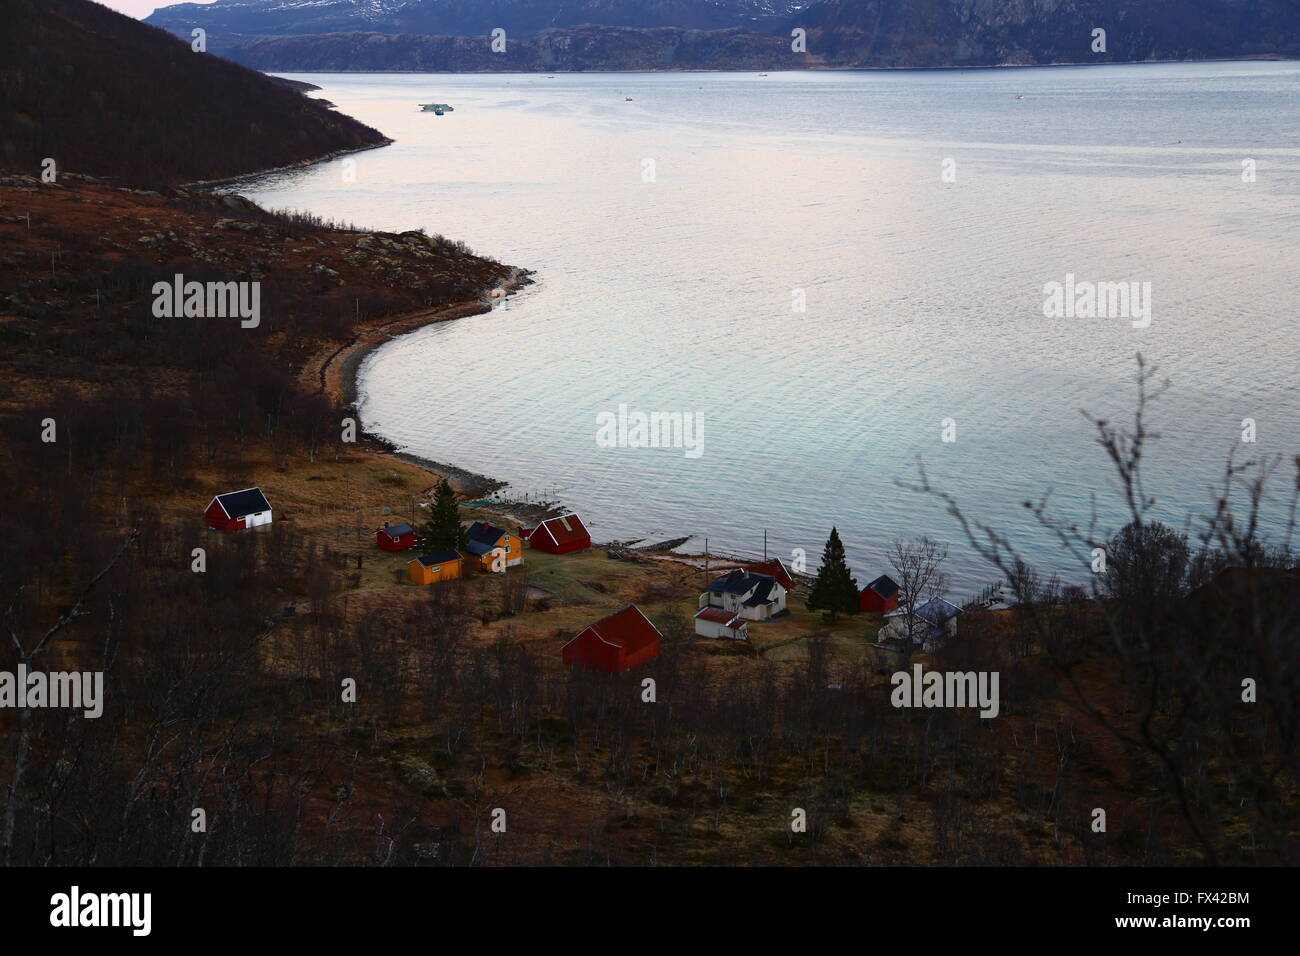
(436, 108)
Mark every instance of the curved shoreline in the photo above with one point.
(335, 374)
(241, 178)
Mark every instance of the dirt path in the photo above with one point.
(333, 369)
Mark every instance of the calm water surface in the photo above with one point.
(924, 298)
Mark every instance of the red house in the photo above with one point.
(560, 535)
(774, 569)
(880, 595)
(397, 537)
(237, 510)
(615, 643)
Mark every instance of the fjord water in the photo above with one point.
(924, 298)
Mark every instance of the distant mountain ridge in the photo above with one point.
(921, 33)
(570, 49)
(729, 34)
(226, 20)
(105, 95)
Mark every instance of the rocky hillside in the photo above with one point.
(103, 94)
(573, 48)
(230, 21)
(628, 34)
(108, 244)
(920, 33)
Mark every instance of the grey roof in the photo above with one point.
(241, 504)
(397, 530)
(441, 557)
(935, 611)
(885, 586)
(479, 548)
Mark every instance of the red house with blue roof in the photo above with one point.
(880, 596)
(397, 537)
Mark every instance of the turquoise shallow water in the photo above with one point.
(923, 297)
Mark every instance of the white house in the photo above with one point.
(934, 622)
(755, 597)
(715, 622)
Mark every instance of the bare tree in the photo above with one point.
(918, 564)
(1177, 668)
(26, 657)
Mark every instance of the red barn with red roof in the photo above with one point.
(560, 535)
(614, 644)
(774, 569)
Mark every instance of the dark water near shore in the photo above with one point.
(924, 298)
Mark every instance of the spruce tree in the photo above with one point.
(443, 531)
(835, 589)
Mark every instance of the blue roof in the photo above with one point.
(482, 531)
(241, 504)
(763, 592)
(739, 581)
(884, 585)
(441, 557)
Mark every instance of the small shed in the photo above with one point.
(614, 644)
(431, 568)
(237, 510)
(717, 622)
(934, 622)
(397, 537)
(880, 596)
(560, 535)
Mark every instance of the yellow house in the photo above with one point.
(494, 549)
(429, 568)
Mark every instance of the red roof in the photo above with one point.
(717, 615)
(566, 529)
(629, 629)
(774, 569)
